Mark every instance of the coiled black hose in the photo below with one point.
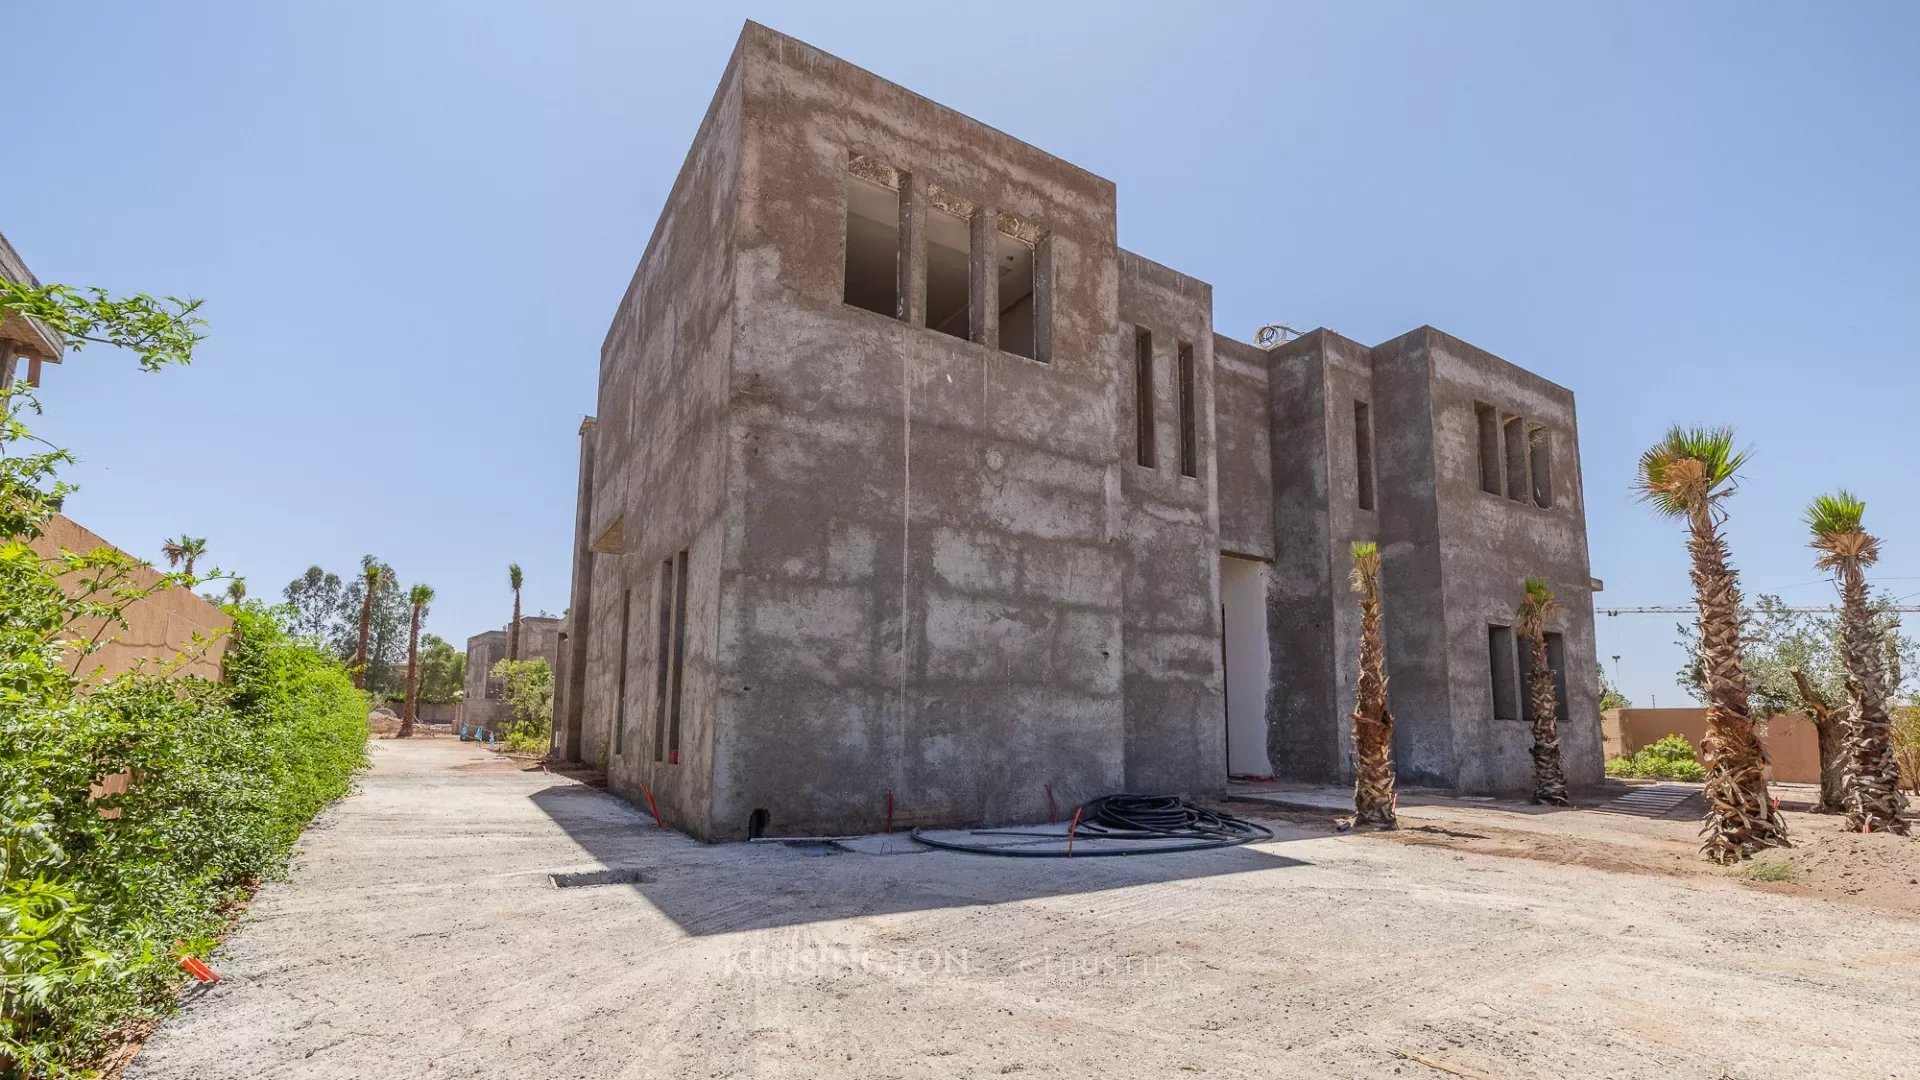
(1127, 817)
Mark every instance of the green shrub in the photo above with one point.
(529, 697)
(1671, 758)
(99, 895)
(99, 892)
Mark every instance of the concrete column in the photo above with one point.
(6, 364)
(33, 372)
(1043, 299)
(913, 250)
(573, 688)
(984, 283)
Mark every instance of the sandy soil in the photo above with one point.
(422, 936)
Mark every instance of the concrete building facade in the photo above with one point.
(911, 497)
(482, 705)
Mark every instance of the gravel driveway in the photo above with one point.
(421, 936)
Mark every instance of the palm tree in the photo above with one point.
(1373, 797)
(236, 590)
(513, 628)
(1871, 775)
(1687, 475)
(370, 575)
(421, 596)
(186, 549)
(1549, 772)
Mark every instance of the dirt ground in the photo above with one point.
(1873, 871)
(422, 935)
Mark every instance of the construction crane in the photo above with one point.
(1689, 609)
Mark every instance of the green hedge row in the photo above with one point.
(100, 896)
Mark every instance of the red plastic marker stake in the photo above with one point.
(650, 804)
(1071, 828)
(889, 810)
(1053, 808)
(198, 970)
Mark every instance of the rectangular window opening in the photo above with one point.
(679, 655)
(1503, 664)
(1363, 451)
(1189, 422)
(1143, 432)
(620, 691)
(1013, 261)
(1516, 437)
(873, 241)
(663, 660)
(1540, 456)
(1489, 448)
(949, 272)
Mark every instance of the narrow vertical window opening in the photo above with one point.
(949, 266)
(1503, 664)
(1540, 455)
(663, 660)
(1516, 437)
(1189, 414)
(873, 238)
(1489, 424)
(620, 680)
(679, 655)
(1143, 433)
(1363, 452)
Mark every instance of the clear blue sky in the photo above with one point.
(411, 223)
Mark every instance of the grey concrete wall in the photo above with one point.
(539, 640)
(920, 589)
(569, 699)
(1489, 545)
(1412, 601)
(1313, 627)
(1243, 453)
(924, 566)
(659, 485)
(1175, 719)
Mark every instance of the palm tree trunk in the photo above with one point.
(513, 629)
(1741, 817)
(1549, 771)
(360, 655)
(413, 675)
(1829, 731)
(1373, 797)
(1872, 775)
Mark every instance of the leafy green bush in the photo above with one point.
(99, 894)
(1672, 758)
(529, 696)
(135, 812)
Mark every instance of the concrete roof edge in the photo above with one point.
(761, 28)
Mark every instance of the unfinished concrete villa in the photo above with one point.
(912, 497)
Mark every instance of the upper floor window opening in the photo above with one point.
(873, 262)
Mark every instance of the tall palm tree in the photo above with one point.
(1549, 772)
(1871, 775)
(370, 576)
(1688, 475)
(421, 596)
(185, 549)
(236, 590)
(1373, 797)
(513, 628)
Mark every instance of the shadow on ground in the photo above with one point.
(725, 888)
